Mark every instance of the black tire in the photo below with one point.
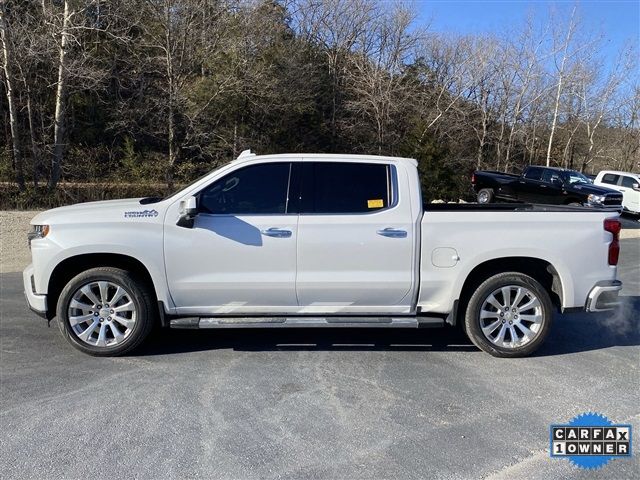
(141, 296)
(485, 195)
(473, 322)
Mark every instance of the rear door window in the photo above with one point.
(345, 187)
(628, 182)
(610, 178)
(534, 173)
(550, 176)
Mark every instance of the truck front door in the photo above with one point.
(240, 255)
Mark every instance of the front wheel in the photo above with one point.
(105, 311)
(509, 315)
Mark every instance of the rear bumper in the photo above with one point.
(604, 296)
(37, 303)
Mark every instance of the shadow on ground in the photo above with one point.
(570, 334)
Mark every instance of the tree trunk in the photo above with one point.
(561, 73)
(171, 131)
(554, 121)
(35, 151)
(13, 114)
(61, 94)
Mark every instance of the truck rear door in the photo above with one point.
(528, 187)
(355, 251)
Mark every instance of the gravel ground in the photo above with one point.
(14, 250)
(15, 255)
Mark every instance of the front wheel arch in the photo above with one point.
(91, 323)
(72, 266)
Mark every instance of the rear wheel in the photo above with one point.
(105, 311)
(509, 315)
(485, 195)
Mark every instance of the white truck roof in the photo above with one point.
(247, 154)
(618, 172)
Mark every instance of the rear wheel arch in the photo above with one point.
(537, 268)
(486, 195)
(72, 266)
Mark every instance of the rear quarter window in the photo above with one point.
(628, 181)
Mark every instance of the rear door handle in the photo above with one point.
(392, 233)
(276, 232)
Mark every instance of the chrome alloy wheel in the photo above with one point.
(102, 313)
(511, 316)
(483, 197)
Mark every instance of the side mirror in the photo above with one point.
(636, 187)
(188, 212)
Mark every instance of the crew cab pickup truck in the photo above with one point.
(626, 183)
(314, 240)
(546, 185)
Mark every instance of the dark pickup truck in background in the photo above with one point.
(549, 185)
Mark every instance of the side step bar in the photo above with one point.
(307, 322)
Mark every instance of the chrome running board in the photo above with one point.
(307, 322)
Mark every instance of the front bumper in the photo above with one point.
(604, 296)
(37, 303)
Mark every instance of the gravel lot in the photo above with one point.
(14, 250)
(309, 404)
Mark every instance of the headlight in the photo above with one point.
(37, 231)
(597, 199)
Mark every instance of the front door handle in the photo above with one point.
(276, 232)
(392, 233)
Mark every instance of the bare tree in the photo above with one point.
(562, 53)
(7, 61)
(339, 27)
(61, 96)
(596, 95)
(484, 67)
(375, 76)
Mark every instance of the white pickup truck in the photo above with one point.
(317, 240)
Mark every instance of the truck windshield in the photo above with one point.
(572, 177)
(148, 200)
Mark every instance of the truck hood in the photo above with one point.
(588, 189)
(109, 210)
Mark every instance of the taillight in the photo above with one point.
(613, 226)
(473, 179)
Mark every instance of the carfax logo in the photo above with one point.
(590, 440)
(141, 213)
